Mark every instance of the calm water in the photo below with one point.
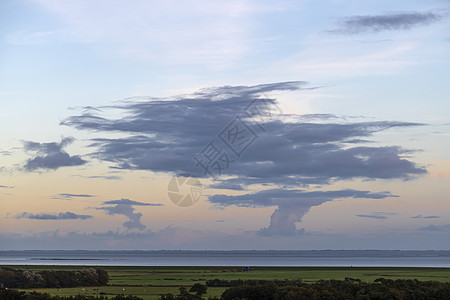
(230, 258)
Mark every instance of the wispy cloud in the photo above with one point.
(425, 217)
(376, 215)
(6, 187)
(292, 204)
(173, 237)
(59, 216)
(68, 196)
(107, 177)
(131, 202)
(384, 22)
(125, 207)
(50, 156)
(201, 31)
(230, 184)
(6, 153)
(445, 228)
(372, 216)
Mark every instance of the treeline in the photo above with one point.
(347, 289)
(24, 279)
(8, 294)
(341, 289)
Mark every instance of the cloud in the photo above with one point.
(229, 184)
(164, 135)
(176, 238)
(445, 228)
(372, 216)
(50, 156)
(131, 202)
(125, 207)
(60, 216)
(376, 215)
(6, 153)
(183, 134)
(68, 196)
(425, 217)
(377, 23)
(6, 170)
(214, 32)
(107, 177)
(6, 187)
(310, 117)
(292, 204)
(170, 237)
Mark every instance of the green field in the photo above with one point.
(150, 282)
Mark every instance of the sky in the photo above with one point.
(224, 124)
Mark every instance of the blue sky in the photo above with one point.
(103, 102)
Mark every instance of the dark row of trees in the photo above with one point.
(341, 289)
(195, 293)
(11, 278)
(324, 289)
(8, 294)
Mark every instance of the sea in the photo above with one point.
(333, 258)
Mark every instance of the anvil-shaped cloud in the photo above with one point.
(292, 204)
(125, 207)
(286, 151)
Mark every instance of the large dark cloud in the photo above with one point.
(391, 21)
(164, 135)
(315, 153)
(125, 207)
(60, 216)
(280, 151)
(50, 156)
(292, 204)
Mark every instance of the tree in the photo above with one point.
(199, 289)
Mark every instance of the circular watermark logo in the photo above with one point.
(184, 191)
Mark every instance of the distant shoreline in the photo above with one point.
(297, 258)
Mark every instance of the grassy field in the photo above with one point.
(150, 282)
